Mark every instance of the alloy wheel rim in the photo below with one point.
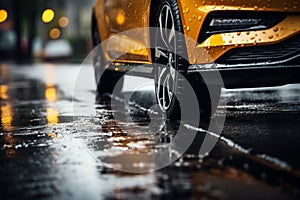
(165, 53)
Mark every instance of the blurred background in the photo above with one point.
(38, 30)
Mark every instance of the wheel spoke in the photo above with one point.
(167, 20)
(162, 31)
(164, 95)
(160, 88)
(173, 73)
(169, 89)
(171, 65)
(172, 33)
(160, 52)
(166, 88)
(167, 17)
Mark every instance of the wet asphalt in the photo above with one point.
(56, 143)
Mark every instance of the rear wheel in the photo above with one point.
(169, 86)
(106, 79)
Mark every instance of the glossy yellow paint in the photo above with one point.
(116, 16)
(193, 14)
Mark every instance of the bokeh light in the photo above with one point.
(54, 33)
(63, 22)
(48, 15)
(3, 15)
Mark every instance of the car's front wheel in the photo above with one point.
(170, 86)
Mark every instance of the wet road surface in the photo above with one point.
(51, 149)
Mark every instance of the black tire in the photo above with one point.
(106, 79)
(180, 64)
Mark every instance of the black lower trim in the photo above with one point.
(245, 77)
(263, 53)
(232, 76)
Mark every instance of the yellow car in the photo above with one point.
(250, 43)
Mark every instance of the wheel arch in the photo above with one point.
(154, 6)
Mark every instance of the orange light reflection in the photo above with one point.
(4, 92)
(6, 109)
(6, 120)
(10, 150)
(51, 96)
(50, 93)
(52, 116)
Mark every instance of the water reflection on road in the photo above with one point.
(46, 152)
